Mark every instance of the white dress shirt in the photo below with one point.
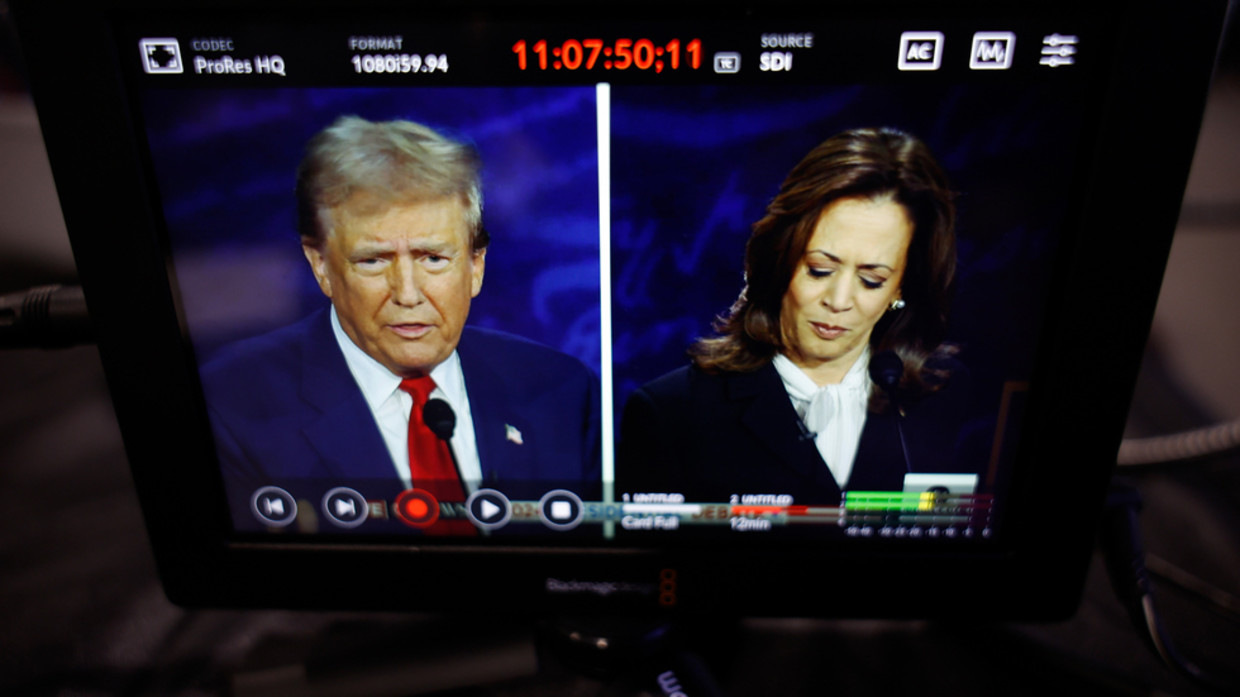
(835, 414)
(391, 405)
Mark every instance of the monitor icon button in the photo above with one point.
(273, 506)
(921, 50)
(561, 509)
(345, 507)
(488, 509)
(992, 50)
(1058, 49)
(161, 56)
(727, 62)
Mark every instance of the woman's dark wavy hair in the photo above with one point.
(868, 163)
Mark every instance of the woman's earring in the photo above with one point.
(897, 304)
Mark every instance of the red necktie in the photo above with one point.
(430, 460)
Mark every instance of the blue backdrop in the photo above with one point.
(225, 162)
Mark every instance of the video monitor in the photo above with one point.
(595, 304)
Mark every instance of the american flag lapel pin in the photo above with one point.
(513, 435)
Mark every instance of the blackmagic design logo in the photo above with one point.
(599, 588)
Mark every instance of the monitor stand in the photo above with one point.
(430, 654)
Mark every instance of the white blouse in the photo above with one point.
(835, 414)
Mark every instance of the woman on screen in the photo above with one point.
(829, 372)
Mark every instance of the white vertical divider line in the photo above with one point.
(602, 93)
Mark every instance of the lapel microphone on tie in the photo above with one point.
(441, 420)
(886, 369)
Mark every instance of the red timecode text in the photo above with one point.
(621, 54)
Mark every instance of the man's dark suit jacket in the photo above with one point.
(286, 411)
(709, 436)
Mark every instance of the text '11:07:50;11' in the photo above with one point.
(622, 54)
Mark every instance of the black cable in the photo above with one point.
(1124, 553)
(45, 317)
(1214, 598)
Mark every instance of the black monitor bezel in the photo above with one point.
(1142, 152)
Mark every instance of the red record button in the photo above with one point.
(417, 508)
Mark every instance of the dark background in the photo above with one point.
(82, 613)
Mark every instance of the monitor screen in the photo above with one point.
(640, 283)
(585, 128)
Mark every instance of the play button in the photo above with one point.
(488, 509)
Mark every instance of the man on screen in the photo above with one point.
(390, 222)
